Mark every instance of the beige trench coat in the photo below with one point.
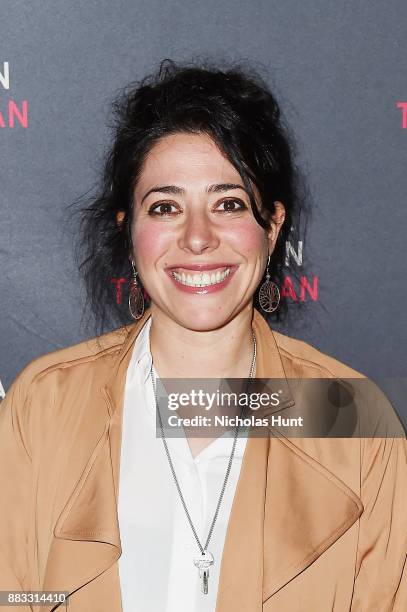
(317, 525)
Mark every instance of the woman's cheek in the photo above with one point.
(150, 242)
(247, 237)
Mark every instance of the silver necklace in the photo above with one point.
(205, 560)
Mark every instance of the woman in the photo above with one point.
(198, 200)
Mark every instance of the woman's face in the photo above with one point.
(198, 249)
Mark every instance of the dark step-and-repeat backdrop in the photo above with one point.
(339, 72)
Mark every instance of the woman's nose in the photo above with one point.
(198, 234)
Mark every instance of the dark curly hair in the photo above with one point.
(236, 108)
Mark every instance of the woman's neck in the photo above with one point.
(179, 352)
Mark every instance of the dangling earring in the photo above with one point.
(136, 298)
(269, 294)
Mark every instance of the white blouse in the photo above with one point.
(157, 572)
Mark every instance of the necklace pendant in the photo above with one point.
(203, 562)
(204, 587)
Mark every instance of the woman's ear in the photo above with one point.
(120, 215)
(276, 224)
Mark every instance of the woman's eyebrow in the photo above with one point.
(220, 187)
(174, 190)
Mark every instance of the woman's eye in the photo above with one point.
(163, 208)
(232, 205)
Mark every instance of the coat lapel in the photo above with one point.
(278, 524)
(276, 527)
(306, 510)
(86, 539)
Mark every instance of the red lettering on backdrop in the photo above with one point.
(22, 116)
(118, 282)
(287, 290)
(403, 106)
(305, 286)
(15, 113)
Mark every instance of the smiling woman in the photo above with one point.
(198, 236)
(198, 198)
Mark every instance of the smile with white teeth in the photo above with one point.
(202, 279)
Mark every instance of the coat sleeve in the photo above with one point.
(381, 570)
(15, 487)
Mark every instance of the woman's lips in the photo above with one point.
(204, 278)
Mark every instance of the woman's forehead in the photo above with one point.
(187, 160)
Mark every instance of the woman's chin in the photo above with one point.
(203, 318)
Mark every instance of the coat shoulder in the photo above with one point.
(82, 352)
(376, 414)
(302, 356)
